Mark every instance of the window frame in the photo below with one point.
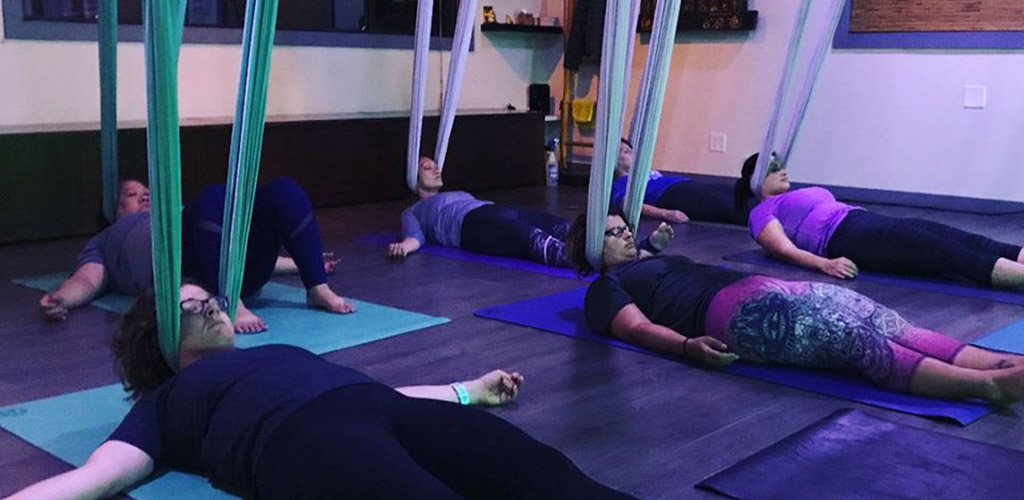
(17, 28)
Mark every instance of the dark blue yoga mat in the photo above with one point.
(960, 289)
(853, 455)
(562, 313)
(458, 254)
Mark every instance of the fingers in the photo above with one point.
(720, 358)
(716, 344)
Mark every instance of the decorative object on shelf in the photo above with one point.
(508, 19)
(489, 15)
(705, 15)
(525, 17)
(549, 21)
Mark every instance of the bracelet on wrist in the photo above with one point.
(461, 393)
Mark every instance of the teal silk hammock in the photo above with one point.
(164, 21)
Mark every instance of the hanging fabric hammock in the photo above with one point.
(643, 132)
(778, 149)
(456, 72)
(107, 36)
(164, 22)
(620, 28)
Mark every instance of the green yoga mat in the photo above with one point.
(70, 426)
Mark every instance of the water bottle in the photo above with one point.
(552, 164)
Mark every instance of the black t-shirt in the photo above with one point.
(215, 416)
(671, 290)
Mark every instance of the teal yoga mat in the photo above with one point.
(70, 426)
(291, 321)
(1009, 338)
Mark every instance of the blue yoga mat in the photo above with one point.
(960, 289)
(290, 320)
(70, 426)
(562, 313)
(457, 254)
(1009, 338)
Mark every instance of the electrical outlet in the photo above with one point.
(975, 96)
(717, 142)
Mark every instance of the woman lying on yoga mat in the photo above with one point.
(290, 425)
(672, 304)
(119, 258)
(809, 228)
(457, 219)
(675, 199)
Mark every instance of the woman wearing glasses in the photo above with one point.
(119, 258)
(809, 228)
(278, 422)
(674, 305)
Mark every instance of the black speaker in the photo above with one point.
(540, 98)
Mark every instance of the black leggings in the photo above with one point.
(369, 441)
(916, 247)
(281, 216)
(701, 202)
(508, 231)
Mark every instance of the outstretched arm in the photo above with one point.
(403, 248)
(495, 388)
(773, 238)
(673, 216)
(632, 325)
(84, 285)
(112, 468)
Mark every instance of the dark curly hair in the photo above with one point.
(139, 363)
(741, 191)
(576, 242)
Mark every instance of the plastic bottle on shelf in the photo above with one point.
(552, 163)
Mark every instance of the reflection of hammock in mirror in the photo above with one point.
(164, 22)
(456, 72)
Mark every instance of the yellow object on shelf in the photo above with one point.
(583, 111)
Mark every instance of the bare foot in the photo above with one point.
(495, 388)
(247, 322)
(1009, 386)
(322, 297)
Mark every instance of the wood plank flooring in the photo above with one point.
(649, 426)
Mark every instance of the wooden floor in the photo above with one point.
(646, 425)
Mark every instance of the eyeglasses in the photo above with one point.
(775, 166)
(202, 306)
(616, 232)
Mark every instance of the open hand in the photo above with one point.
(52, 307)
(662, 235)
(709, 350)
(496, 388)
(330, 262)
(840, 268)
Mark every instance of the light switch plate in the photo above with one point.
(975, 96)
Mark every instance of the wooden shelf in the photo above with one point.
(520, 28)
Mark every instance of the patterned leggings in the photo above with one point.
(817, 325)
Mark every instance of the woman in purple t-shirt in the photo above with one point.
(809, 228)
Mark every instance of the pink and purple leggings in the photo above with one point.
(817, 325)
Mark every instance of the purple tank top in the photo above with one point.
(809, 216)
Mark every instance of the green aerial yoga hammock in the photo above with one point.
(107, 36)
(246, 145)
(163, 24)
(163, 28)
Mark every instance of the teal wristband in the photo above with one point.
(461, 392)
